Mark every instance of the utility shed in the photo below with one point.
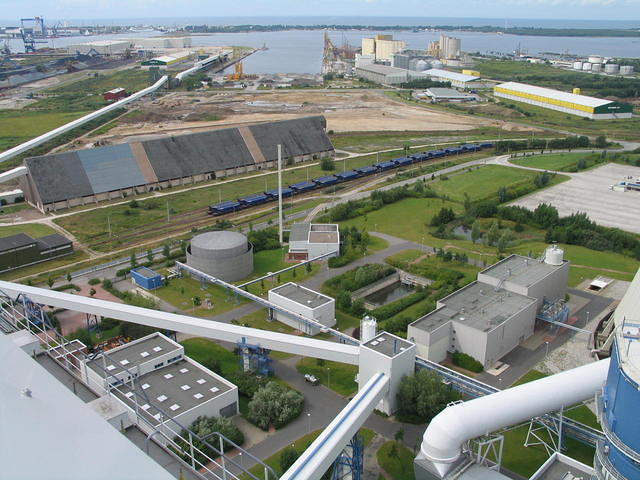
(146, 278)
(305, 302)
(310, 240)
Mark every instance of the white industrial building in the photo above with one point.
(155, 379)
(382, 46)
(447, 95)
(458, 80)
(100, 47)
(305, 302)
(391, 355)
(571, 103)
(311, 240)
(489, 317)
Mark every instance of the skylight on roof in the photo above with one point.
(128, 394)
(162, 398)
(168, 376)
(185, 387)
(124, 362)
(214, 389)
(144, 354)
(201, 381)
(110, 367)
(146, 407)
(174, 407)
(145, 386)
(184, 370)
(197, 396)
(157, 349)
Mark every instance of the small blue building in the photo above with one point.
(146, 278)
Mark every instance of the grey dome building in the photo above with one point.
(224, 255)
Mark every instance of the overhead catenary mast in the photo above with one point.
(280, 193)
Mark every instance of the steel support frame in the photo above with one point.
(552, 426)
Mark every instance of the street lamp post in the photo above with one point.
(329, 377)
(308, 423)
(546, 354)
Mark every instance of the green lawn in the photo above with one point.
(203, 349)
(18, 126)
(339, 377)
(272, 261)
(418, 262)
(483, 182)
(181, 291)
(398, 467)
(578, 274)
(35, 230)
(258, 319)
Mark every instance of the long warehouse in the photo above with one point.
(580, 105)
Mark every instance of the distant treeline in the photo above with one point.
(542, 32)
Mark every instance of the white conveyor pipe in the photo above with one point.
(13, 173)
(450, 429)
(12, 152)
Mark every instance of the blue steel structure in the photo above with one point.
(348, 466)
(618, 455)
(254, 358)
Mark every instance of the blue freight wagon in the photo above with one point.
(384, 166)
(253, 199)
(346, 176)
(286, 192)
(325, 181)
(403, 161)
(302, 186)
(368, 170)
(486, 145)
(224, 207)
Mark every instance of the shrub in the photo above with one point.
(94, 281)
(327, 164)
(393, 308)
(274, 405)
(248, 384)
(467, 362)
(204, 427)
(359, 277)
(108, 323)
(422, 396)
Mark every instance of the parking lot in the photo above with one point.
(590, 192)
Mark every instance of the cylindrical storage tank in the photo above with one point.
(554, 255)
(368, 327)
(586, 66)
(577, 65)
(422, 65)
(436, 64)
(224, 255)
(626, 70)
(577, 91)
(612, 68)
(596, 67)
(596, 59)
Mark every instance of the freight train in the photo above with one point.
(325, 181)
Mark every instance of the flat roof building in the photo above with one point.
(20, 250)
(489, 317)
(302, 301)
(458, 80)
(152, 376)
(311, 240)
(571, 103)
(447, 95)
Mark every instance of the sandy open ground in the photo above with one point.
(590, 192)
(345, 111)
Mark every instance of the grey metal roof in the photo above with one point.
(446, 93)
(520, 270)
(15, 241)
(299, 232)
(65, 424)
(146, 272)
(111, 167)
(388, 344)
(59, 176)
(302, 295)
(477, 305)
(167, 387)
(54, 240)
(222, 240)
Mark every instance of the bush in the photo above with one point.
(327, 164)
(205, 427)
(274, 405)
(94, 281)
(467, 362)
(266, 239)
(248, 384)
(359, 277)
(108, 323)
(66, 286)
(393, 308)
(288, 457)
(422, 396)
(106, 284)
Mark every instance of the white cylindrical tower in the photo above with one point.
(554, 255)
(368, 327)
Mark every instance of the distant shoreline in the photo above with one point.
(524, 31)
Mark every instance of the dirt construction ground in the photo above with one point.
(590, 192)
(345, 111)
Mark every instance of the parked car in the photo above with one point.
(311, 379)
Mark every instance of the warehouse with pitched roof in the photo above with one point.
(68, 179)
(571, 103)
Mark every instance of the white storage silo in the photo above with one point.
(368, 327)
(554, 255)
(586, 67)
(626, 70)
(422, 65)
(436, 64)
(596, 59)
(596, 67)
(611, 68)
(577, 65)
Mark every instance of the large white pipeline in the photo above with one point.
(450, 429)
(12, 152)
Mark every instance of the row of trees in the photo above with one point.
(567, 143)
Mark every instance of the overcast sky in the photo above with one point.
(102, 9)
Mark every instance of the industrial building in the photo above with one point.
(411, 60)
(571, 103)
(21, 250)
(303, 301)
(169, 380)
(382, 47)
(447, 95)
(446, 48)
(311, 240)
(100, 47)
(386, 75)
(165, 61)
(64, 180)
(458, 80)
(224, 255)
(163, 42)
(114, 94)
(489, 317)
(146, 278)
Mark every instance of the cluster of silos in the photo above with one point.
(597, 64)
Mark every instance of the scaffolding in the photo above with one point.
(254, 358)
(555, 313)
(348, 466)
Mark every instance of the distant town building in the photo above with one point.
(382, 47)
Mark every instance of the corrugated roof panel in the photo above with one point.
(554, 94)
(460, 77)
(111, 168)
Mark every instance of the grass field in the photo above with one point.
(339, 377)
(258, 319)
(33, 229)
(18, 126)
(484, 182)
(202, 350)
(398, 467)
(417, 261)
